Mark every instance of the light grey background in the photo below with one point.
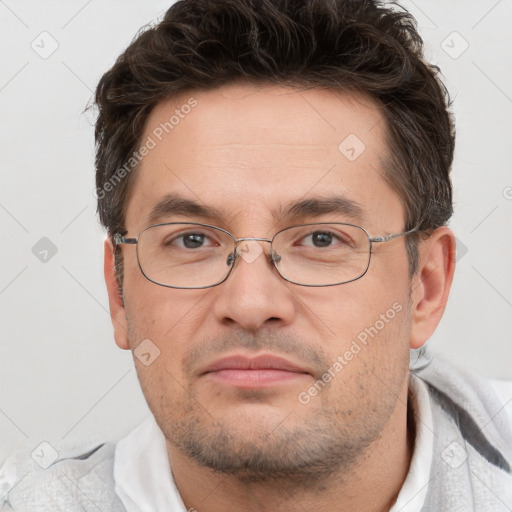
(62, 376)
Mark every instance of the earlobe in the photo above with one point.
(431, 285)
(117, 311)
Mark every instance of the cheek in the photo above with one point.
(368, 329)
(342, 312)
(153, 310)
(165, 320)
(369, 359)
(158, 345)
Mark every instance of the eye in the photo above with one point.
(323, 239)
(190, 241)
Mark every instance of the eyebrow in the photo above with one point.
(318, 206)
(173, 204)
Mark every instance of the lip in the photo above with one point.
(261, 362)
(254, 372)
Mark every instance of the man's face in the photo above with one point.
(248, 152)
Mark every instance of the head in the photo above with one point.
(247, 108)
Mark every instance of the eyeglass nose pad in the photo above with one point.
(275, 257)
(231, 258)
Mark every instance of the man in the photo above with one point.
(274, 180)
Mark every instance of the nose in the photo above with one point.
(254, 294)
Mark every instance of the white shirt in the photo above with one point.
(144, 481)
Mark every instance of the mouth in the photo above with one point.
(254, 372)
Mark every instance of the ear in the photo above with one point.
(117, 311)
(432, 283)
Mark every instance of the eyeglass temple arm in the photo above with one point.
(387, 238)
(120, 239)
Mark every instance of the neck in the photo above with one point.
(371, 484)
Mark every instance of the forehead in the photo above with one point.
(247, 150)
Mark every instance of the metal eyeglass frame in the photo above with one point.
(119, 239)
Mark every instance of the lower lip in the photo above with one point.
(255, 378)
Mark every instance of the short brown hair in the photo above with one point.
(345, 45)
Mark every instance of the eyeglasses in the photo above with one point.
(193, 256)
